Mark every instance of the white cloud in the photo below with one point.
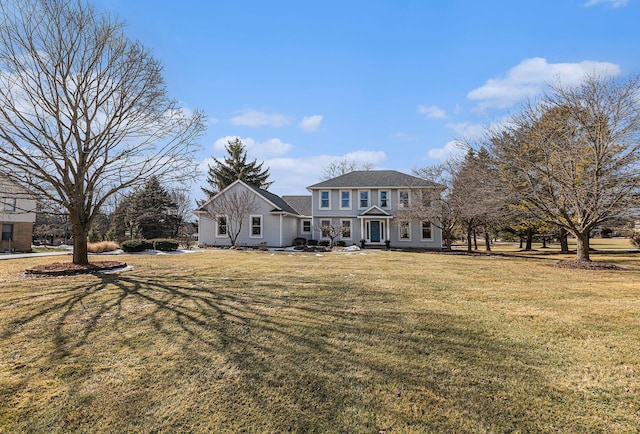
(310, 123)
(432, 112)
(467, 130)
(451, 149)
(270, 148)
(529, 78)
(612, 3)
(254, 118)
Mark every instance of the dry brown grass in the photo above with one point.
(226, 341)
(102, 246)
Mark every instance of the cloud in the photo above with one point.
(253, 118)
(612, 3)
(432, 112)
(310, 123)
(270, 148)
(467, 130)
(451, 149)
(529, 78)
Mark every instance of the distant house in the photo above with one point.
(362, 203)
(17, 215)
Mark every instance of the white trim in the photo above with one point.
(342, 221)
(350, 201)
(322, 220)
(422, 230)
(400, 204)
(368, 199)
(217, 222)
(388, 206)
(400, 225)
(302, 221)
(251, 217)
(320, 199)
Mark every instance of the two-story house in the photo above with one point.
(363, 204)
(17, 215)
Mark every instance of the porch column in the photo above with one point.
(362, 234)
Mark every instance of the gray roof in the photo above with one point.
(373, 179)
(281, 204)
(302, 204)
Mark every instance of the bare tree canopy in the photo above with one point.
(573, 158)
(341, 167)
(84, 111)
(230, 209)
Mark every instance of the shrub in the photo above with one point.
(136, 245)
(323, 243)
(312, 242)
(341, 243)
(165, 245)
(635, 238)
(103, 246)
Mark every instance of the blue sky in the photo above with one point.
(393, 83)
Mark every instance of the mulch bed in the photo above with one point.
(585, 265)
(69, 268)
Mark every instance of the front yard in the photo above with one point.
(371, 341)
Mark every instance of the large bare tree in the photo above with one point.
(573, 158)
(230, 209)
(84, 111)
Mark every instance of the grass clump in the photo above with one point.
(230, 341)
(102, 246)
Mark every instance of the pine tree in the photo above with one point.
(233, 167)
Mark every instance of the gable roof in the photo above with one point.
(373, 179)
(302, 204)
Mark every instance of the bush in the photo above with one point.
(103, 246)
(635, 238)
(312, 242)
(165, 245)
(136, 245)
(323, 243)
(341, 243)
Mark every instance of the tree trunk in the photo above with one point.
(544, 242)
(529, 240)
(521, 242)
(564, 244)
(469, 236)
(80, 252)
(582, 251)
(475, 239)
(487, 241)
(447, 240)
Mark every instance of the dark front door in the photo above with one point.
(375, 231)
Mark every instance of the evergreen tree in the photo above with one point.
(234, 167)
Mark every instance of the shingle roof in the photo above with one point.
(302, 204)
(281, 204)
(373, 179)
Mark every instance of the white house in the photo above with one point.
(362, 203)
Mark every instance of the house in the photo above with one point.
(17, 215)
(363, 204)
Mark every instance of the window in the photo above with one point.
(222, 226)
(346, 229)
(345, 199)
(426, 230)
(7, 232)
(306, 226)
(324, 200)
(324, 226)
(9, 204)
(256, 226)
(404, 231)
(384, 199)
(403, 199)
(364, 199)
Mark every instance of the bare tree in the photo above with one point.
(573, 158)
(330, 230)
(84, 111)
(341, 167)
(230, 209)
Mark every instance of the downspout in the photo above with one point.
(280, 229)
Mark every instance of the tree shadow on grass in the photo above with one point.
(305, 356)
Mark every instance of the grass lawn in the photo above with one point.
(228, 341)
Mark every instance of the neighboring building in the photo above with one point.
(17, 215)
(363, 203)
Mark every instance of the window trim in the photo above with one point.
(400, 226)
(302, 231)
(328, 199)
(388, 199)
(324, 234)
(349, 199)
(10, 232)
(10, 204)
(400, 201)
(218, 225)
(251, 226)
(360, 199)
(342, 222)
(422, 230)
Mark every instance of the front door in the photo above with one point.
(375, 231)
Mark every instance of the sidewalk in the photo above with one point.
(30, 255)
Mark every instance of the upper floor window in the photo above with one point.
(325, 201)
(9, 204)
(384, 199)
(403, 198)
(345, 199)
(256, 226)
(364, 199)
(426, 230)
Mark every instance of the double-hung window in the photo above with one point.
(384, 199)
(222, 226)
(403, 199)
(346, 229)
(404, 231)
(9, 204)
(345, 199)
(256, 226)
(426, 230)
(306, 226)
(7, 232)
(325, 227)
(364, 198)
(325, 201)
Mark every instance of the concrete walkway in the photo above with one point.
(30, 255)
